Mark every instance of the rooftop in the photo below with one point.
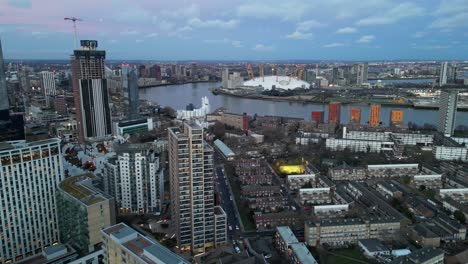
(373, 245)
(223, 148)
(147, 250)
(302, 253)
(286, 234)
(80, 188)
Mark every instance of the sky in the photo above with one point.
(239, 29)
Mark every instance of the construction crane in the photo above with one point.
(250, 72)
(262, 72)
(74, 19)
(301, 72)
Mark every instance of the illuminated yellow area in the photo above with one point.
(292, 169)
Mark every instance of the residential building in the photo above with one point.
(225, 151)
(48, 85)
(443, 77)
(131, 127)
(450, 153)
(422, 256)
(315, 196)
(122, 244)
(334, 112)
(267, 221)
(130, 92)
(260, 191)
(298, 181)
(374, 120)
(373, 248)
(135, 178)
(347, 173)
(29, 176)
(192, 189)
(317, 117)
(90, 92)
(83, 211)
(396, 116)
(359, 145)
(362, 71)
(355, 115)
(447, 112)
(294, 251)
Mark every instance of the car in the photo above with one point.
(230, 198)
(237, 227)
(267, 256)
(230, 228)
(237, 249)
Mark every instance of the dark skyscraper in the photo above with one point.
(130, 90)
(90, 91)
(11, 126)
(4, 105)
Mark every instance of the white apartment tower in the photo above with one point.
(29, 175)
(48, 83)
(136, 179)
(194, 215)
(447, 112)
(443, 73)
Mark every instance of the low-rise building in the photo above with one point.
(335, 144)
(122, 244)
(315, 196)
(225, 151)
(260, 191)
(294, 251)
(298, 181)
(269, 203)
(450, 153)
(347, 173)
(392, 170)
(272, 220)
(373, 248)
(422, 256)
(388, 189)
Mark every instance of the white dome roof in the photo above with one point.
(283, 82)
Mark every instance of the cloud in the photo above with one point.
(138, 40)
(307, 25)
(366, 39)
(152, 35)
(234, 43)
(261, 47)
(451, 21)
(431, 47)
(346, 30)
(179, 32)
(333, 45)
(299, 35)
(401, 11)
(182, 13)
(419, 34)
(166, 25)
(129, 33)
(215, 23)
(26, 4)
(132, 14)
(284, 10)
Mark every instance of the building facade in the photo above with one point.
(374, 120)
(29, 175)
(355, 115)
(136, 179)
(447, 112)
(130, 92)
(334, 112)
(83, 212)
(192, 189)
(90, 91)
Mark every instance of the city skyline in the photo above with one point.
(238, 30)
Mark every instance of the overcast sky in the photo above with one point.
(237, 29)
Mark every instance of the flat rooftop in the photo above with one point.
(80, 188)
(148, 251)
(286, 234)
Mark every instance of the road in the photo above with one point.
(226, 203)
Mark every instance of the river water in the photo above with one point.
(178, 96)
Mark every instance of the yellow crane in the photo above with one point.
(262, 72)
(301, 72)
(250, 72)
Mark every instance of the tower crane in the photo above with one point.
(301, 72)
(250, 72)
(262, 72)
(74, 19)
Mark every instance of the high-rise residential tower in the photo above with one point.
(90, 91)
(362, 71)
(135, 178)
(447, 112)
(374, 119)
(443, 73)
(29, 175)
(4, 104)
(130, 90)
(355, 115)
(195, 218)
(48, 85)
(334, 112)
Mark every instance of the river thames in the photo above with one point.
(178, 96)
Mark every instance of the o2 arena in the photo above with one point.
(294, 81)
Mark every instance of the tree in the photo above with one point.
(170, 112)
(422, 188)
(219, 130)
(460, 216)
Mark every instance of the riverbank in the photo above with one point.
(308, 99)
(170, 84)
